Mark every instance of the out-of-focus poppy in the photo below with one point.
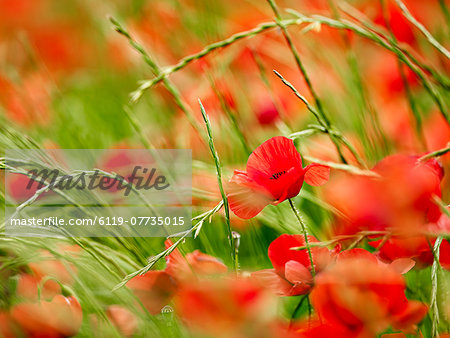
(267, 113)
(48, 265)
(274, 173)
(365, 297)
(194, 264)
(17, 187)
(18, 14)
(291, 274)
(154, 289)
(8, 329)
(315, 328)
(227, 307)
(390, 201)
(28, 286)
(28, 102)
(60, 46)
(123, 319)
(59, 317)
(397, 22)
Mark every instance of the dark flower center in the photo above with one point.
(277, 175)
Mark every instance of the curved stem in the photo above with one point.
(305, 234)
(297, 308)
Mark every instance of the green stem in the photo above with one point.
(334, 135)
(436, 153)
(403, 55)
(422, 29)
(305, 75)
(364, 97)
(157, 72)
(445, 11)
(434, 287)
(305, 234)
(231, 116)
(297, 308)
(222, 190)
(409, 96)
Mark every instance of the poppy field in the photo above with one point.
(297, 155)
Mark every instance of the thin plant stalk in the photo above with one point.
(156, 70)
(305, 75)
(305, 234)
(222, 190)
(422, 29)
(409, 96)
(365, 101)
(434, 287)
(333, 134)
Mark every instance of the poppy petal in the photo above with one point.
(316, 174)
(356, 253)
(402, 265)
(280, 251)
(444, 257)
(297, 273)
(277, 166)
(274, 155)
(270, 279)
(245, 197)
(413, 313)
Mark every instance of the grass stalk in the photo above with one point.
(222, 190)
(305, 234)
(422, 29)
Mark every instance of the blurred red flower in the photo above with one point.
(291, 274)
(154, 289)
(364, 298)
(227, 307)
(7, 327)
(396, 21)
(59, 317)
(194, 264)
(274, 174)
(123, 319)
(392, 202)
(267, 113)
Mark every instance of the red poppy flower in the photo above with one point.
(274, 174)
(390, 201)
(154, 289)
(417, 248)
(8, 328)
(401, 265)
(365, 297)
(123, 319)
(226, 307)
(315, 328)
(267, 113)
(60, 317)
(194, 264)
(291, 274)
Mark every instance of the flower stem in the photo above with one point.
(305, 234)
(307, 79)
(434, 286)
(231, 239)
(297, 308)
